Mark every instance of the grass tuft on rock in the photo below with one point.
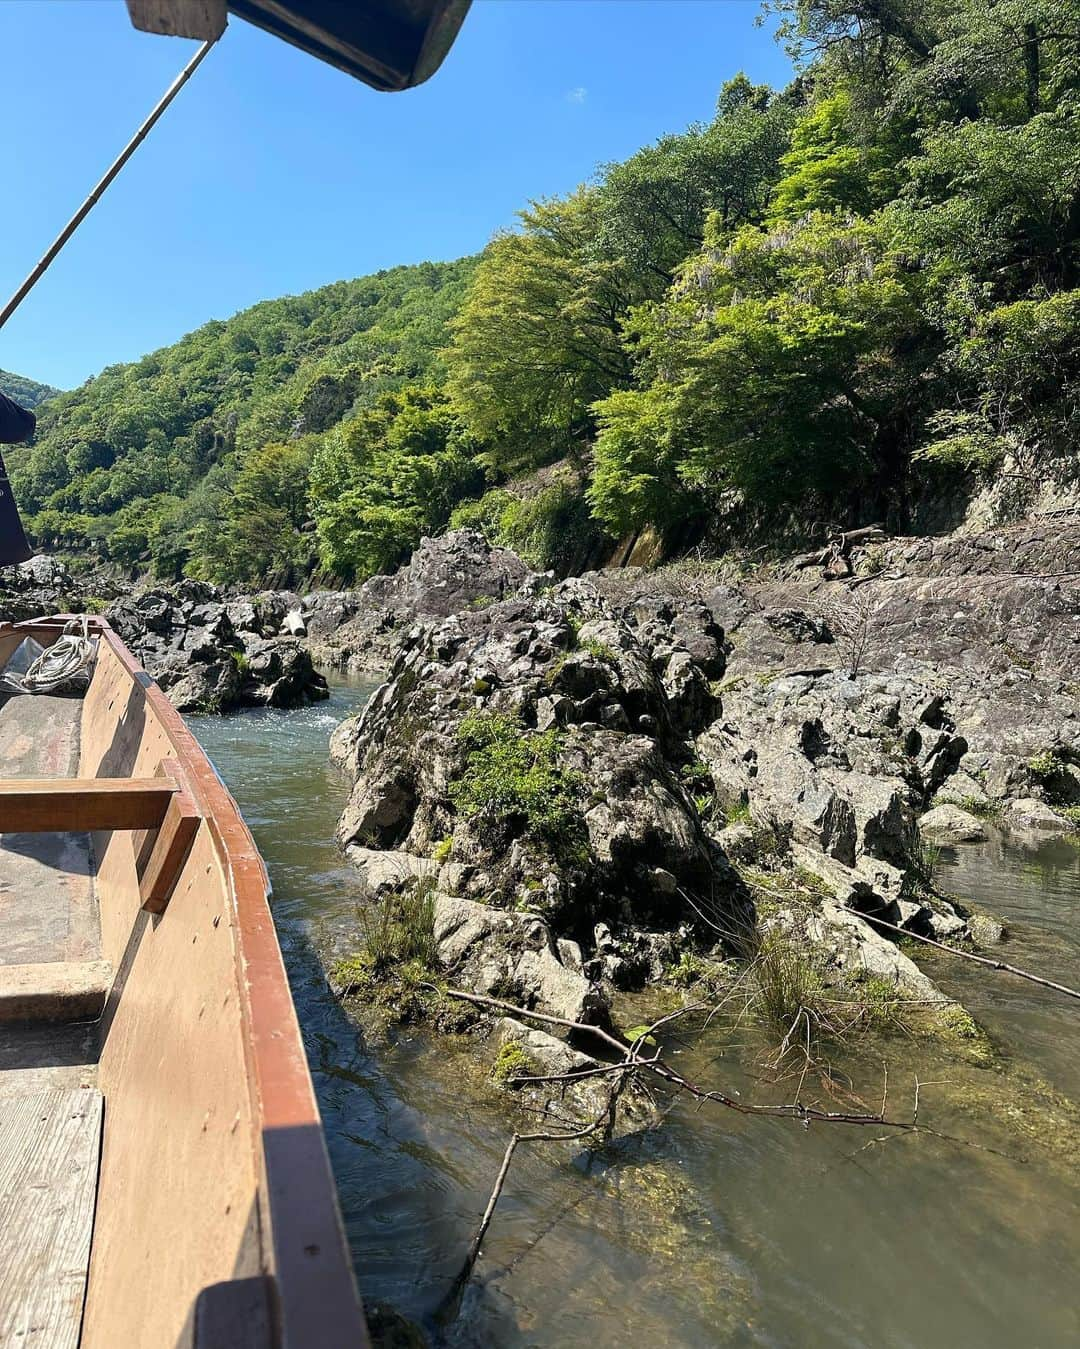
(399, 928)
(514, 777)
(788, 982)
(510, 1062)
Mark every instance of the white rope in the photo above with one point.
(63, 666)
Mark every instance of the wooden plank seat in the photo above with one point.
(162, 808)
(74, 805)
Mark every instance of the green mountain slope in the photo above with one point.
(28, 392)
(145, 460)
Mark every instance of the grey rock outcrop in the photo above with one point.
(836, 765)
(557, 664)
(213, 654)
(512, 956)
(611, 837)
(44, 585)
(361, 629)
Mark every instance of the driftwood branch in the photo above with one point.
(969, 955)
(540, 1136)
(602, 1124)
(620, 1073)
(839, 545)
(660, 1068)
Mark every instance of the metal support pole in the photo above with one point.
(84, 210)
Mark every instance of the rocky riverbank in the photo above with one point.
(210, 651)
(635, 776)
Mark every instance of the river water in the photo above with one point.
(719, 1229)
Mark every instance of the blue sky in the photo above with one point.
(272, 173)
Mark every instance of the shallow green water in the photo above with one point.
(720, 1230)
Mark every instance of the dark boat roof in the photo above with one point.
(390, 44)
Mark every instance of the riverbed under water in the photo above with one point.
(719, 1229)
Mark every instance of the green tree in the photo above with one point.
(653, 206)
(391, 474)
(785, 371)
(538, 339)
(828, 169)
(262, 534)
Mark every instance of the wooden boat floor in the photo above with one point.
(47, 907)
(50, 1144)
(50, 1108)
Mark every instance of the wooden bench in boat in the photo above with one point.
(161, 808)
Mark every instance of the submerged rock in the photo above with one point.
(524, 1051)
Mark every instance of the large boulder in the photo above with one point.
(841, 762)
(950, 824)
(361, 629)
(533, 742)
(512, 956)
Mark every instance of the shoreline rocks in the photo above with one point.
(209, 651)
(581, 771)
(212, 654)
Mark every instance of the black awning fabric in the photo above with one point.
(13, 545)
(16, 423)
(389, 44)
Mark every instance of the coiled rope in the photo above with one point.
(63, 667)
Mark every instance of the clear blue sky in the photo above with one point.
(272, 173)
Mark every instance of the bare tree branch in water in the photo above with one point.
(663, 1070)
(632, 1062)
(970, 955)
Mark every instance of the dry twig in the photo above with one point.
(969, 955)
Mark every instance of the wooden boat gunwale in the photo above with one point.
(313, 1298)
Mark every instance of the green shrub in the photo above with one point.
(979, 806)
(921, 860)
(352, 974)
(1045, 764)
(737, 812)
(513, 777)
(687, 970)
(600, 650)
(788, 982)
(510, 1062)
(484, 514)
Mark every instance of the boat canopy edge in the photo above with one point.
(389, 44)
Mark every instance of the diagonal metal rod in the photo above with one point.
(114, 168)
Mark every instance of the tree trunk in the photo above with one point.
(1031, 67)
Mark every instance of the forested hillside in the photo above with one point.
(197, 457)
(28, 392)
(819, 305)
